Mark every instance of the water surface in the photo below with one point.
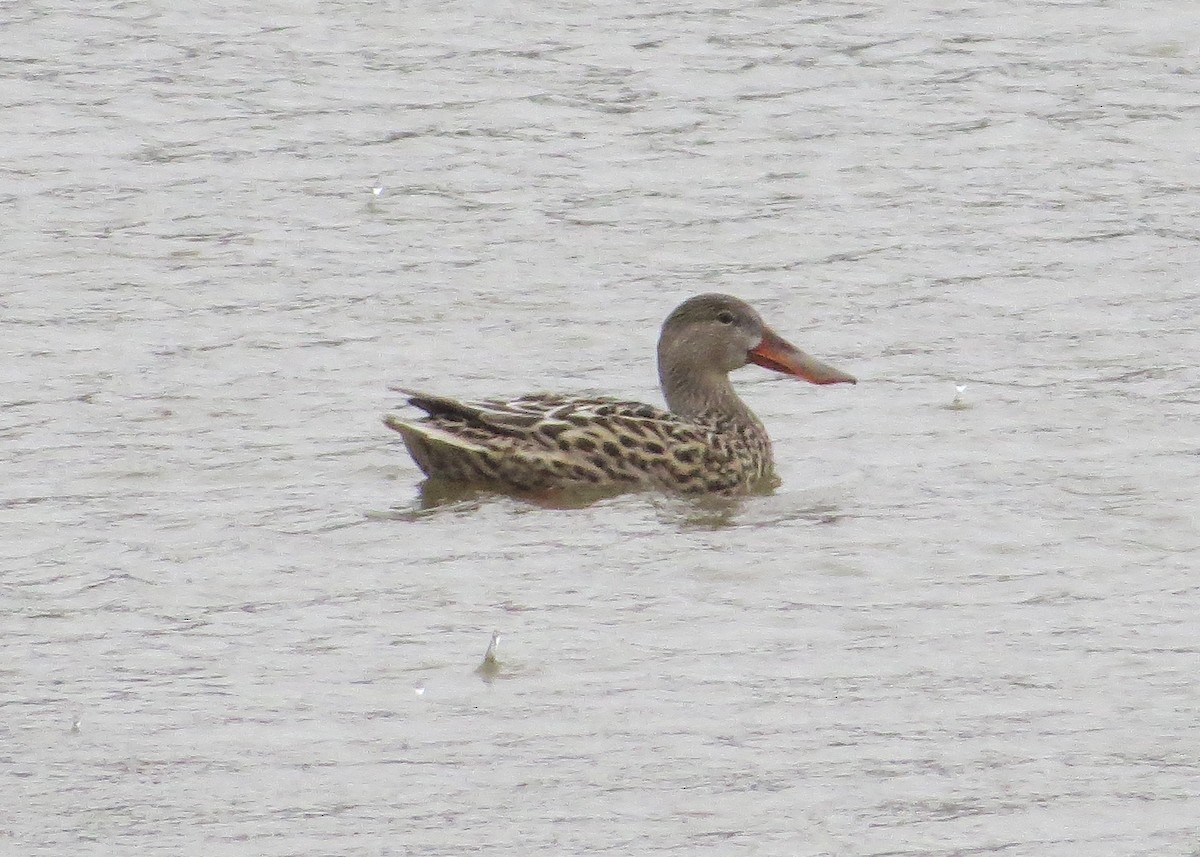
(231, 624)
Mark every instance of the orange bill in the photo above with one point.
(776, 353)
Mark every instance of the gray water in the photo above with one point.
(233, 625)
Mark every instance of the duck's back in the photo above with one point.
(547, 441)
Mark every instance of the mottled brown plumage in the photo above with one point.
(708, 442)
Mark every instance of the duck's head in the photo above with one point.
(719, 333)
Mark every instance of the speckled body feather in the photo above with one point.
(546, 442)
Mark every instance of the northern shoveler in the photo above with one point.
(708, 441)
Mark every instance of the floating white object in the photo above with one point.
(958, 403)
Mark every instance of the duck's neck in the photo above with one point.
(705, 396)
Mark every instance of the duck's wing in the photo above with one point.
(541, 412)
(546, 439)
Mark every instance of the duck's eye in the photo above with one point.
(725, 317)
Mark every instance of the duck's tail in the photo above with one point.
(439, 452)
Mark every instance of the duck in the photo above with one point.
(706, 441)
